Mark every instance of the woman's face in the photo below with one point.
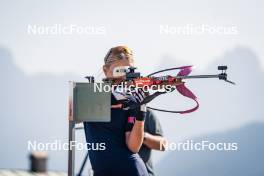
(108, 69)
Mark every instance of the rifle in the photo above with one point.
(134, 78)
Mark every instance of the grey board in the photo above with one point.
(90, 105)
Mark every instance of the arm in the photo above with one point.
(155, 142)
(134, 138)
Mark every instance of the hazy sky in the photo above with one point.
(137, 24)
(133, 23)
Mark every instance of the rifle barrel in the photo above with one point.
(197, 76)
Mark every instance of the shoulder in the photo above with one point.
(153, 125)
(151, 115)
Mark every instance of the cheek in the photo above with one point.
(109, 71)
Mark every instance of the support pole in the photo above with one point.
(71, 151)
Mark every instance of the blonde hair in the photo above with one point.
(118, 53)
